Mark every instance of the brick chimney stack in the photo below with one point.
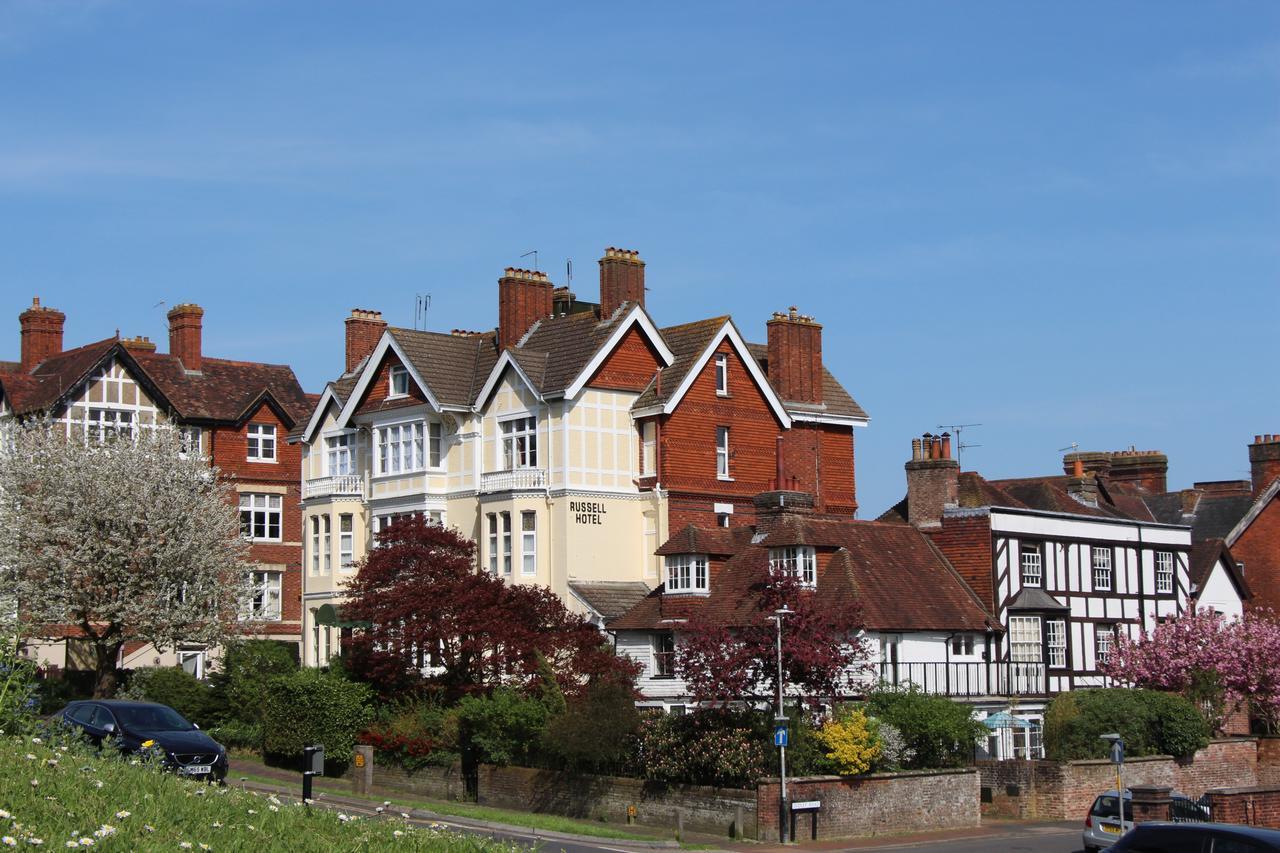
(524, 298)
(1096, 463)
(772, 508)
(364, 329)
(186, 324)
(795, 357)
(933, 480)
(1081, 486)
(1146, 469)
(1264, 460)
(41, 333)
(621, 279)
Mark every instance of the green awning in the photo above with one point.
(327, 614)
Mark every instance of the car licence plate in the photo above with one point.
(197, 769)
(1110, 828)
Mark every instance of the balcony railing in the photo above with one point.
(339, 484)
(1000, 678)
(514, 480)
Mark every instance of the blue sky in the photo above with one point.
(1061, 221)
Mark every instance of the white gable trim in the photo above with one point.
(635, 317)
(730, 332)
(386, 342)
(839, 420)
(504, 361)
(317, 414)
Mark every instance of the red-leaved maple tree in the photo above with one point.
(434, 619)
(729, 658)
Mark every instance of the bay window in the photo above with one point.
(338, 454)
(399, 448)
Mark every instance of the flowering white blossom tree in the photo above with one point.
(129, 539)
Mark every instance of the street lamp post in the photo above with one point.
(780, 719)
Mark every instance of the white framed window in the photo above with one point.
(962, 644)
(1104, 638)
(798, 561)
(493, 543)
(191, 439)
(1101, 568)
(105, 424)
(1056, 635)
(435, 443)
(1024, 639)
(399, 448)
(264, 606)
(722, 374)
(664, 655)
(1164, 572)
(528, 542)
(686, 573)
(261, 443)
(260, 516)
(192, 661)
(338, 454)
(399, 384)
(722, 452)
(1032, 560)
(519, 443)
(346, 541)
(506, 543)
(315, 544)
(648, 448)
(326, 540)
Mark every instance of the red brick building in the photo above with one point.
(236, 412)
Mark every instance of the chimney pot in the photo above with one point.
(41, 333)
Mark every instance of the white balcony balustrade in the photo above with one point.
(337, 485)
(516, 479)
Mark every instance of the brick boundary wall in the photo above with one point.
(437, 783)
(702, 809)
(876, 804)
(1269, 761)
(1052, 790)
(1254, 806)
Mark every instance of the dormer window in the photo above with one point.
(687, 573)
(797, 561)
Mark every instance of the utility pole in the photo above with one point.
(780, 732)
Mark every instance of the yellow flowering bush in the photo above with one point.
(851, 742)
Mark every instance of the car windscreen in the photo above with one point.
(1105, 806)
(152, 718)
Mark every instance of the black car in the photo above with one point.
(1197, 838)
(135, 726)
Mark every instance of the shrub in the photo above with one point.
(501, 728)
(19, 699)
(597, 731)
(851, 742)
(1150, 722)
(240, 686)
(894, 752)
(415, 734)
(235, 733)
(309, 707)
(936, 732)
(175, 687)
(54, 693)
(707, 747)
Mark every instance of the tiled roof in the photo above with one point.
(453, 366)
(557, 349)
(1205, 555)
(686, 342)
(222, 391)
(869, 563)
(834, 397)
(701, 540)
(610, 599)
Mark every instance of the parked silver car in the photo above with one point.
(1102, 823)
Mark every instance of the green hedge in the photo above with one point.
(1150, 722)
(309, 707)
(935, 731)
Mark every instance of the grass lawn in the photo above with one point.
(68, 796)
(532, 820)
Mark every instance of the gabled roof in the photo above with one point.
(608, 599)
(836, 402)
(1205, 555)
(1255, 509)
(223, 390)
(452, 366)
(893, 572)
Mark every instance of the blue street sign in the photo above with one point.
(780, 735)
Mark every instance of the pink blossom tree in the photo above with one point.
(1213, 661)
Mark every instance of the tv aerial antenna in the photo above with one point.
(533, 252)
(956, 430)
(421, 304)
(1074, 447)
